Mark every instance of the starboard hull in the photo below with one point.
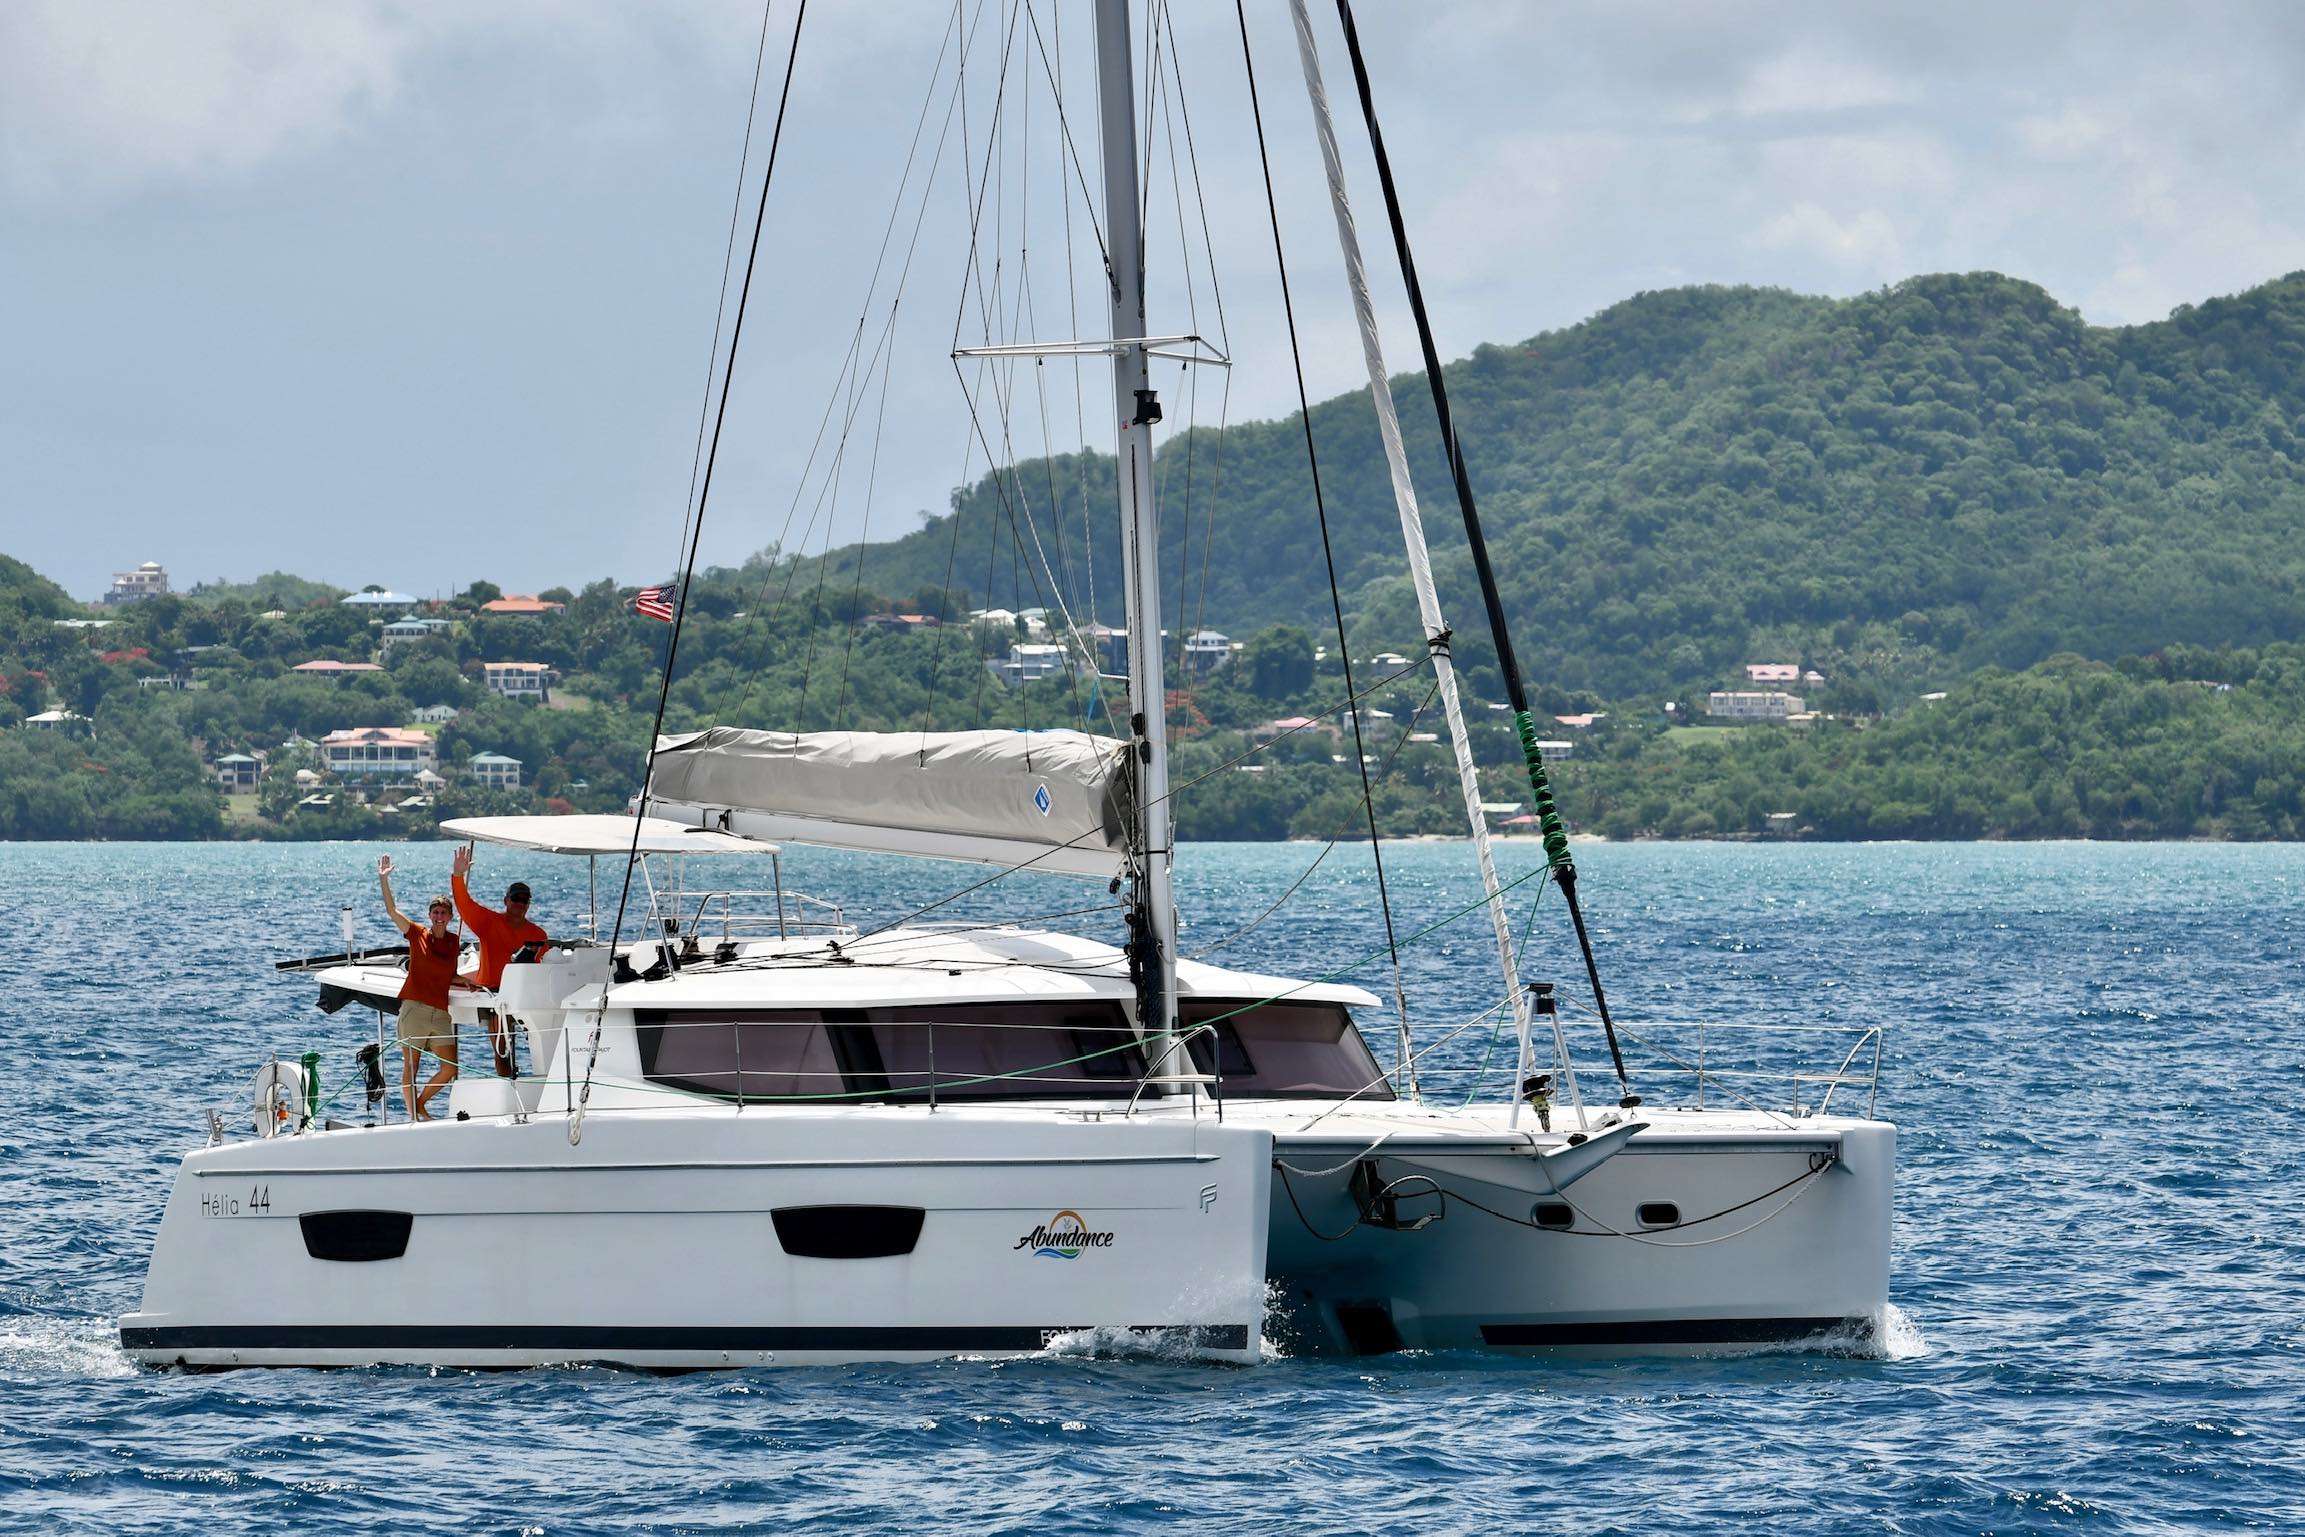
(1808, 1262)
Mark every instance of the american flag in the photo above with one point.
(657, 602)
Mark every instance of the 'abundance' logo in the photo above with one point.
(1063, 1236)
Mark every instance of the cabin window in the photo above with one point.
(1283, 1050)
(1659, 1214)
(973, 1051)
(1554, 1214)
(779, 1054)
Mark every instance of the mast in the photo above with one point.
(1420, 559)
(1152, 915)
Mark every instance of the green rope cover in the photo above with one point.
(1541, 793)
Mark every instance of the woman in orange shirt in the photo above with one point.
(425, 1026)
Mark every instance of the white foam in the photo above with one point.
(62, 1347)
(1889, 1335)
(1896, 1337)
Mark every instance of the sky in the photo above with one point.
(377, 291)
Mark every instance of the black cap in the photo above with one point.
(516, 892)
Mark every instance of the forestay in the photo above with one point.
(1059, 801)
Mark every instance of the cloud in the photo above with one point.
(96, 94)
(1806, 79)
(1865, 241)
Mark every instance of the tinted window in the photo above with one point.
(971, 1051)
(1283, 1050)
(778, 1055)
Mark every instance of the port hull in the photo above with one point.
(670, 1242)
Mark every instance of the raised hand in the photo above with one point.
(462, 863)
(384, 866)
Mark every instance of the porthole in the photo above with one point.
(1554, 1214)
(1659, 1214)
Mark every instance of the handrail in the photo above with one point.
(1706, 1073)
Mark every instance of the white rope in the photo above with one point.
(1421, 566)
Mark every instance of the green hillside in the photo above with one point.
(1903, 486)
(2083, 544)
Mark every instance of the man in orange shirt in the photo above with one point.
(425, 1026)
(501, 935)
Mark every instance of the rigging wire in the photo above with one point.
(1556, 838)
(1328, 553)
(761, 613)
(1224, 330)
(1238, 758)
(727, 264)
(1330, 847)
(688, 563)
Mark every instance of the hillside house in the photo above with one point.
(529, 682)
(525, 605)
(412, 627)
(1029, 663)
(323, 667)
(1770, 705)
(379, 753)
(1206, 651)
(146, 581)
(495, 770)
(237, 773)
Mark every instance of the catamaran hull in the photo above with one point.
(686, 1242)
(1809, 1260)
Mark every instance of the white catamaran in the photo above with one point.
(760, 1133)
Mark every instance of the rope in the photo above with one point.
(1819, 1163)
(1384, 771)
(688, 568)
(1328, 553)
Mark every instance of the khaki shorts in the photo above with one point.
(426, 1028)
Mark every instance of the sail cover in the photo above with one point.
(1054, 800)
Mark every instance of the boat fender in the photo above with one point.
(311, 1089)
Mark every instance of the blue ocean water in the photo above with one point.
(2094, 1056)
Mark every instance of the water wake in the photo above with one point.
(62, 1347)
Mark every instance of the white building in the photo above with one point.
(529, 681)
(1030, 662)
(56, 720)
(1772, 672)
(495, 770)
(412, 627)
(1753, 704)
(146, 581)
(434, 714)
(378, 752)
(377, 601)
(237, 772)
(1207, 650)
